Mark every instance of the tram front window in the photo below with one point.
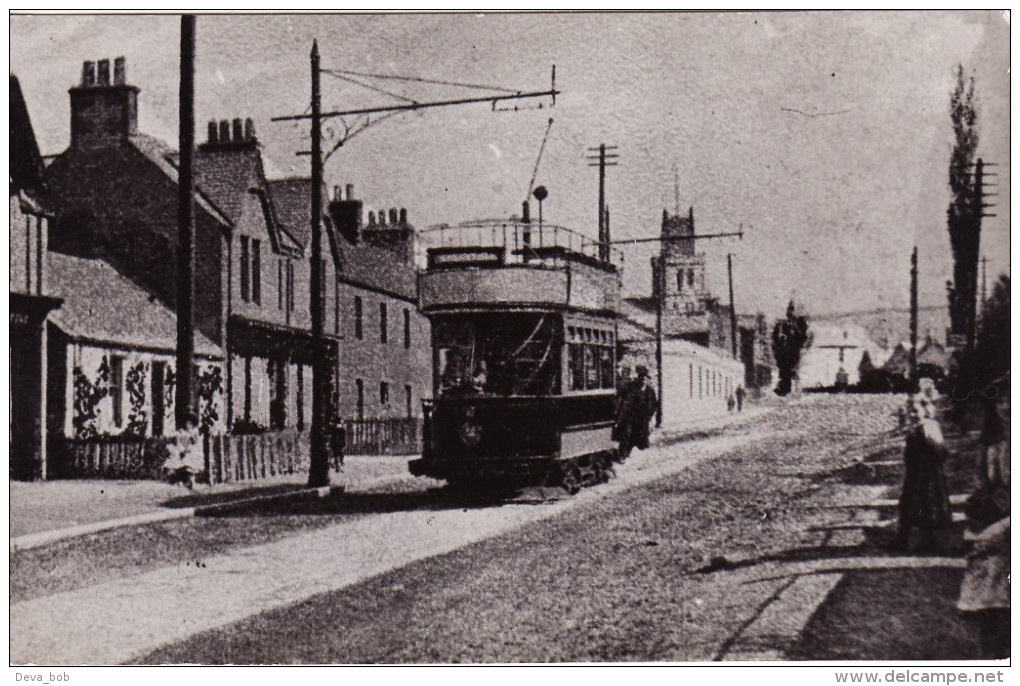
(498, 355)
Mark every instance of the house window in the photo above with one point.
(360, 387)
(383, 324)
(384, 393)
(300, 397)
(245, 274)
(358, 332)
(680, 281)
(408, 397)
(157, 382)
(690, 379)
(256, 271)
(407, 328)
(279, 284)
(117, 389)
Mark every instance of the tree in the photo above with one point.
(992, 353)
(789, 340)
(964, 213)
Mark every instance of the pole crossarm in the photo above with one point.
(424, 105)
(669, 239)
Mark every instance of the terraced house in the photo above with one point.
(115, 190)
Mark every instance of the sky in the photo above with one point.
(825, 136)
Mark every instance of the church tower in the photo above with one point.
(679, 277)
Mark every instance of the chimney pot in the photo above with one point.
(88, 74)
(382, 217)
(393, 215)
(119, 71)
(103, 78)
(371, 218)
(213, 131)
(403, 215)
(350, 191)
(525, 212)
(249, 129)
(336, 193)
(238, 131)
(224, 131)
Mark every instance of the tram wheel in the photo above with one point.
(601, 466)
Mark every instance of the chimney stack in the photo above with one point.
(238, 131)
(101, 114)
(350, 191)
(403, 215)
(88, 74)
(393, 216)
(103, 78)
(249, 129)
(213, 131)
(224, 131)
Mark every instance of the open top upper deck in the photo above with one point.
(510, 264)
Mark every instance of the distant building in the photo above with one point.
(931, 354)
(834, 357)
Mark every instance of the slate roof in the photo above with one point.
(160, 154)
(102, 306)
(362, 264)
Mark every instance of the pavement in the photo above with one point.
(47, 511)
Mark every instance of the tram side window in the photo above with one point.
(591, 359)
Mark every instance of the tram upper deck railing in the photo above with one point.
(513, 241)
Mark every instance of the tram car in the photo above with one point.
(524, 356)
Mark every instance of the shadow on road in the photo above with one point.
(436, 499)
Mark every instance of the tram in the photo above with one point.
(524, 355)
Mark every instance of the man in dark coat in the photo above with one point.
(638, 404)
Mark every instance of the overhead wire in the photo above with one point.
(417, 79)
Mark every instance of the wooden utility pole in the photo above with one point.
(600, 162)
(185, 396)
(660, 285)
(318, 471)
(733, 310)
(913, 319)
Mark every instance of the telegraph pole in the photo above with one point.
(733, 310)
(913, 319)
(185, 396)
(984, 288)
(601, 163)
(660, 285)
(318, 471)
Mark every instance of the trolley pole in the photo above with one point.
(318, 472)
(184, 404)
(733, 310)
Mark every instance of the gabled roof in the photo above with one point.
(228, 173)
(361, 264)
(292, 197)
(26, 163)
(165, 159)
(102, 306)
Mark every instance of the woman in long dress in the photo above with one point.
(924, 502)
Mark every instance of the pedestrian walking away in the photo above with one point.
(740, 398)
(638, 403)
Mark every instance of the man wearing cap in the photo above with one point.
(638, 404)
